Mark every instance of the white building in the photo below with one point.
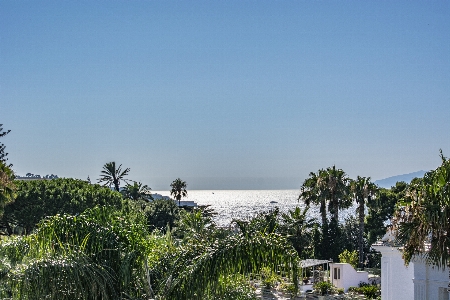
(430, 282)
(418, 281)
(343, 275)
(396, 278)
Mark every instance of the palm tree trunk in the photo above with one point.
(360, 233)
(335, 208)
(323, 212)
(336, 211)
(116, 184)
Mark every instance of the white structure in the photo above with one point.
(418, 281)
(396, 278)
(430, 282)
(181, 203)
(343, 275)
(186, 203)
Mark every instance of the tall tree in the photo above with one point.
(363, 191)
(3, 154)
(327, 186)
(381, 209)
(337, 191)
(299, 230)
(178, 189)
(312, 192)
(424, 218)
(112, 176)
(7, 186)
(137, 191)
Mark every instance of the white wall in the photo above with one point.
(429, 283)
(396, 278)
(348, 276)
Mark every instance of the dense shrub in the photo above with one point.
(37, 199)
(324, 287)
(369, 291)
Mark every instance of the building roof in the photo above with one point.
(312, 262)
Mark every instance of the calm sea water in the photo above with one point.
(243, 204)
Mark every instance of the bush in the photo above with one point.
(234, 287)
(370, 291)
(161, 214)
(349, 257)
(269, 278)
(288, 288)
(324, 287)
(37, 199)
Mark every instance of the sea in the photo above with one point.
(245, 204)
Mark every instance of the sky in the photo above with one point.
(225, 94)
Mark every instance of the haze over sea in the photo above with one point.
(242, 204)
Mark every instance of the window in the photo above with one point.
(337, 273)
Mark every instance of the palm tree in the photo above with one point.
(98, 255)
(337, 191)
(111, 176)
(299, 229)
(178, 189)
(330, 185)
(137, 191)
(363, 191)
(95, 255)
(198, 267)
(312, 191)
(424, 218)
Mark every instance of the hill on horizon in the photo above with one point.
(391, 181)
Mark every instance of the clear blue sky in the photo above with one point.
(225, 94)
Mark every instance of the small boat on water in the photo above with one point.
(273, 202)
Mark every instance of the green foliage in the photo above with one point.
(363, 192)
(102, 253)
(73, 276)
(349, 233)
(269, 278)
(3, 154)
(234, 287)
(193, 272)
(381, 209)
(324, 287)
(330, 246)
(330, 189)
(263, 222)
(137, 191)
(424, 216)
(350, 257)
(178, 189)
(162, 214)
(37, 199)
(112, 176)
(197, 224)
(369, 291)
(299, 231)
(288, 287)
(7, 186)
